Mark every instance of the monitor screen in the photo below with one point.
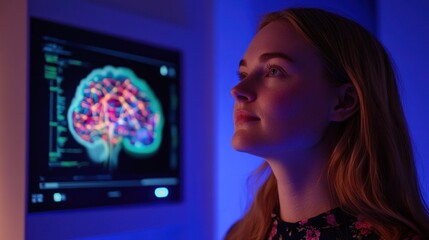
(103, 120)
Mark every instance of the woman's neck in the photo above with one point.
(302, 185)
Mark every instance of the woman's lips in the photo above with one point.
(243, 116)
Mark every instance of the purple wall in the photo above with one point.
(404, 30)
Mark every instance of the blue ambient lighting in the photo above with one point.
(161, 192)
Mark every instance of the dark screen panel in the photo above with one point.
(104, 120)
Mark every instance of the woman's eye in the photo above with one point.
(274, 71)
(241, 75)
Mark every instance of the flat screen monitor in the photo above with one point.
(103, 120)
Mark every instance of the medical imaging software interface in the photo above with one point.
(103, 120)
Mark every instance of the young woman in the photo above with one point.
(318, 100)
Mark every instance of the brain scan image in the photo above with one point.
(113, 109)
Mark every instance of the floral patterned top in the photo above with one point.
(331, 225)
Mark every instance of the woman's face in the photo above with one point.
(283, 102)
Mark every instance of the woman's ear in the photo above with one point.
(347, 104)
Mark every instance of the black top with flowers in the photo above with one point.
(331, 225)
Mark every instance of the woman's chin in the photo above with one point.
(246, 145)
(240, 142)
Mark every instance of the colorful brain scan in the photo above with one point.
(113, 109)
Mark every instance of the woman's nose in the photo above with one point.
(242, 94)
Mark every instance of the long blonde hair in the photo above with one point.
(371, 170)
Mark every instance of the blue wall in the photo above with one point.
(404, 30)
